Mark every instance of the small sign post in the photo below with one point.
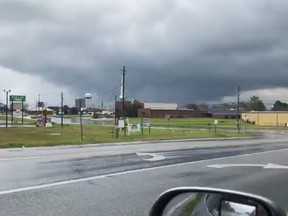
(121, 123)
(146, 122)
(215, 124)
(133, 128)
(142, 127)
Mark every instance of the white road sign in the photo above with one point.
(146, 122)
(121, 123)
(134, 128)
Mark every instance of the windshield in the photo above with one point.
(105, 104)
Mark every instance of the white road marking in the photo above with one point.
(128, 172)
(154, 156)
(265, 166)
(176, 207)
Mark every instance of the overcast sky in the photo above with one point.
(174, 50)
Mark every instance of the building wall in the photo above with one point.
(130, 107)
(149, 113)
(80, 103)
(2, 107)
(270, 118)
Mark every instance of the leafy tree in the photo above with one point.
(224, 106)
(279, 106)
(203, 106)
(74, 111)
(256, 104)
(192, 106)
(65, 109)
(244, 106)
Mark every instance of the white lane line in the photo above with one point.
(128, 172)
(264, 166)
(47, 156)
(180, 204)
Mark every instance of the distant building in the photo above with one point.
(168, 110)
(225, 114)
(16, 106)
(130, 107)
(134, 108)
(80, 103)
(266, 118)
(2, 107)
(161, 106)
(169, 113)
(40, 111)
(56, 109)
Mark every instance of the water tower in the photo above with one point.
(88, 101)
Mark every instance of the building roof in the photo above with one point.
(40, 109)
(223, 112)
(161, 106)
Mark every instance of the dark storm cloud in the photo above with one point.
(174, 50)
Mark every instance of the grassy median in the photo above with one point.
(189, 122)
(70, 134)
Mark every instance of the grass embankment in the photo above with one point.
(18, 120)
(70, 134)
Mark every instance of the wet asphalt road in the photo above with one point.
(114, 180)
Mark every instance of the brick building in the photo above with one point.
(135, 108)
(164, 110)
(177, 113)
(130, 108)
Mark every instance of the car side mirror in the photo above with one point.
(200, 201)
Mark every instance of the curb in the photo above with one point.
(134, 143)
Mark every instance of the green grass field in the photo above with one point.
(189, 122)
(70, 134)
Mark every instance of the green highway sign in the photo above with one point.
(17, 98)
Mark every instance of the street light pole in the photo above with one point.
(7, 94)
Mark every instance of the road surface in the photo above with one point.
(125, 179)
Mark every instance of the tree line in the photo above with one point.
(253, 104)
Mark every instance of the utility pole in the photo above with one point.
(7, 94)
(115, 109)
(102, 105)
(22, 111)
(238, 112)
(38, 108)
(61, 109)
(81, 123)
(123, 97)
(11, 109)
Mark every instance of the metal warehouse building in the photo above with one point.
(267, 118)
